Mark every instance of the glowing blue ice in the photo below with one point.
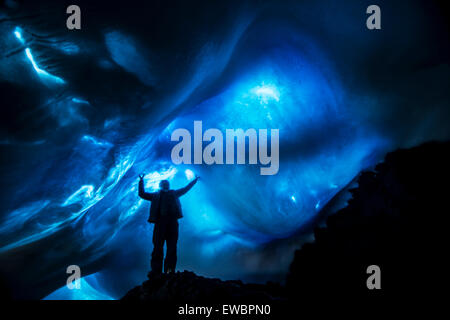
(317, 205)
(189, 174)
(18, 34)
(42, 73)
(81, 101)
(266, 92)
(153, 179)
(18, 217)
(232, 207)
(85, 192)
(89, 290)
(299, 101)
(96, 141)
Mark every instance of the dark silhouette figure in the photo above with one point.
(165, 211)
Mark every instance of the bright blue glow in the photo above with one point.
(42, 73)
(232, 208)
(18, 34)
(84, 192)
(296, 100)
(317, 205)
(96, 141)
(265, 93)
(90, 289)
(81, 101)
(189, 174)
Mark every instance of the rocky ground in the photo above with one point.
(188, 287)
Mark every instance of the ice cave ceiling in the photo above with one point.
(84, 112)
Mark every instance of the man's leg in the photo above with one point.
(158, 248)
(171, 242)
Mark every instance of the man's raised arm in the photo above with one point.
(182, 191)
(144, 195)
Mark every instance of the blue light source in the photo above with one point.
(266, 92)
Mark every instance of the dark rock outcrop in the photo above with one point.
(394, 220)
(188, 287)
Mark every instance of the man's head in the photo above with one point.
(164, 185)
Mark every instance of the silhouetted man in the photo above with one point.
(165, 211)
